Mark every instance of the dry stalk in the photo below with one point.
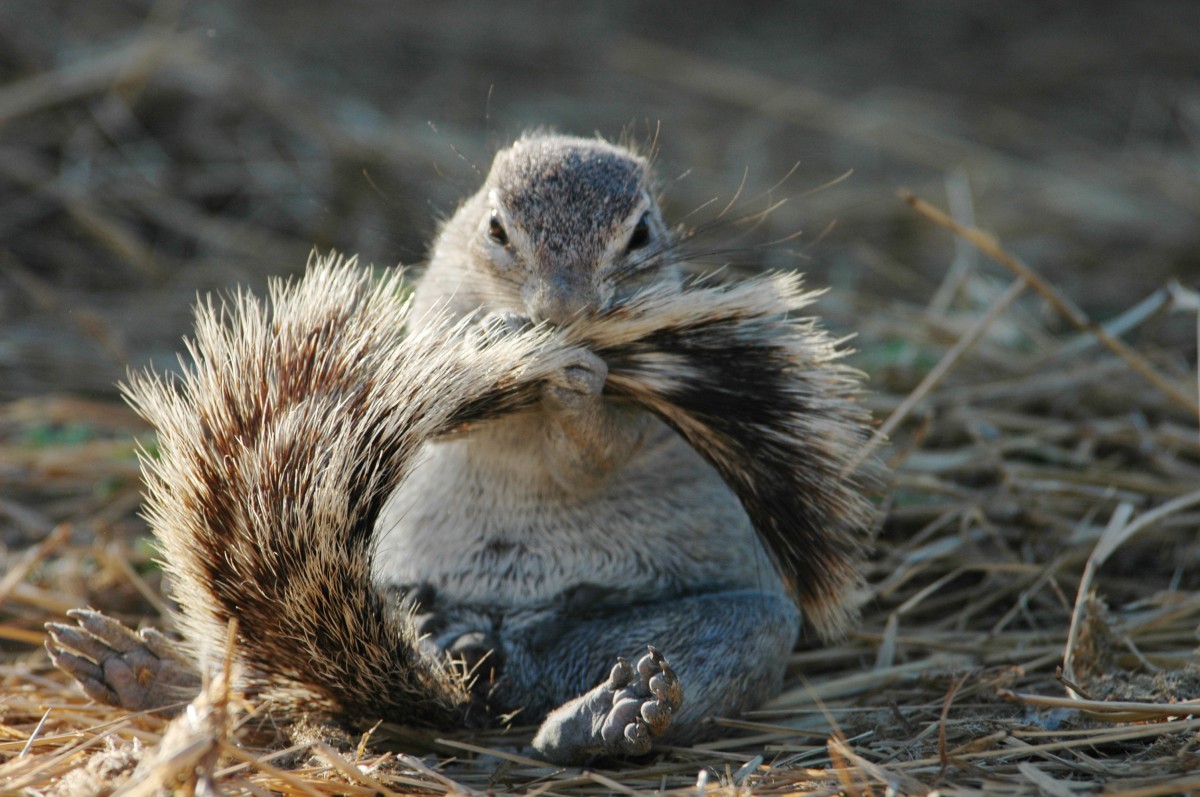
(1061, 303)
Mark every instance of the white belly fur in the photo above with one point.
(487, 526)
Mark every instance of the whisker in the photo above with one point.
(737, 193)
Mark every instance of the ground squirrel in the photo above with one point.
(563, 460)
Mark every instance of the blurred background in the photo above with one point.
(153, 150)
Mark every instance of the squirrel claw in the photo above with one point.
(622, 674)
(637, 737)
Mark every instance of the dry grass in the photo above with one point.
(1036, 582)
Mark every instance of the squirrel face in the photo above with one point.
(561, 228)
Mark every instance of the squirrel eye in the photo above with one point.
(640, 236)
(496, 230)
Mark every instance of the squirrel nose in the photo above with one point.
(559, 299)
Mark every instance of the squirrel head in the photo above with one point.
(562, 227)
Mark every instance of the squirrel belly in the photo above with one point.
(481, 527)
(568, 455)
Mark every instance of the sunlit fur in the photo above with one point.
(276, 449)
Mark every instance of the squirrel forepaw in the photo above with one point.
(501, 323)
(579, 384)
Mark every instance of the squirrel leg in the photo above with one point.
(728, 648)
(138, 671)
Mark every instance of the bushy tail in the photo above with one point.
(757, 388)
(280, 443)
(276, 451)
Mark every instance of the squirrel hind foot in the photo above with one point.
(620, 717)
(138, 671)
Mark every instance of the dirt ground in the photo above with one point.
(151, 151)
